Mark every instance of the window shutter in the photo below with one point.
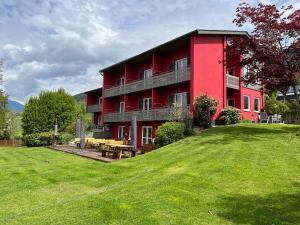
(171, 100)
(140, 104)
(172, 66)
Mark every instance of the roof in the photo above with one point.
(98, 90)
(179, 41)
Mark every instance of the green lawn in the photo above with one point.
(244, 174)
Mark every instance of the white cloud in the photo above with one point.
(52, 43)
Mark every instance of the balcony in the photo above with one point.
(143, 115)
(163, 79)
(232, 82)
(94, 108)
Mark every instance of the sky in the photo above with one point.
(51, 44)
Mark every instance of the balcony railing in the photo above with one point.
(164, 79)
(94, 108)
(232, 82)
(143, 115)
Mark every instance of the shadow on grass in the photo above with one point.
(278, 208)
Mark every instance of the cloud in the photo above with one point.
(50, 44)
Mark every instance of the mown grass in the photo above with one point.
(244, 174)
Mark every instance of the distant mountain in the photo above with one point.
(80, 97)
(15, 106)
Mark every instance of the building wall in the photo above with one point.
(207, 71)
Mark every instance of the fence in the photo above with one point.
(11, 143)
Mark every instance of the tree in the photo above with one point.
(4, 116)
(205, 108)
(43, 111)
(271, 54)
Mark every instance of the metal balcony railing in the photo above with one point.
(94, 108)
(232, 82)
(142, 115)
(163, 79)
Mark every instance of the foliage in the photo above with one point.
(293, 115)
(4, 117)
(88, 118)
(274, 106)
(205, 108)
(182, 181)
(179, 113)
(245, 121)
(39, 139)
(271, 54)
(229, 115)
(66, 137)
(42, 112)
(168, 133)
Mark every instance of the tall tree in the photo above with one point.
(3, 115)
(43, 111)
(271, 54)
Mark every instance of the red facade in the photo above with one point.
(177, 71)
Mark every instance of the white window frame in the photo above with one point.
(178, 96)
(147, 101)
(180, 64)
(147, 73)
(121, 107)
(258, 99)
(249, 101)
(229, 99)
(122, 81)
(147, 134)
(123, 133)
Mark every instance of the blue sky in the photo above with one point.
(48, 44)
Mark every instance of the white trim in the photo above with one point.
(146, 137)
(249, 102)
(124, 131)
(122, 81)
(148, 103)
(121, 103)
(257, 98)
(147, 72)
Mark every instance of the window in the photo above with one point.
(231, 102)
(121, 132)
(146, 135)
(147, 74)
(245, 72)
(256, 104)
(246, 103)
(147, 103)
(122, 81)
(180, 64)
(121, 107)
(182, 98)
(99, 100)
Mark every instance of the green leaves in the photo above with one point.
(42, 112)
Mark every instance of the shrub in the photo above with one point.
(38, 139)
(168, 133)
(229, 115)
(205, 108)
(274, 106)
(65, 138)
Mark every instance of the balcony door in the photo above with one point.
(147, 103)
(180, 67)
(146, 135)
(147, 74)
(121, 107)
(121, 132)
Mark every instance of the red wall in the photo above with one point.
(207, 73)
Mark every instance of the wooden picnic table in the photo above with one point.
(118, 149)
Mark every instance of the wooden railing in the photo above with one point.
(94, 108)
(232, 82)
(163, 79)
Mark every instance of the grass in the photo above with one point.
(244, 174)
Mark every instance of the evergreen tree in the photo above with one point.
(3, 116)
(43, 111)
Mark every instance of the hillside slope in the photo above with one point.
(245, 174)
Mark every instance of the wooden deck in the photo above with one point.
(87, 153)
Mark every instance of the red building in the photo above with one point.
(175, 72)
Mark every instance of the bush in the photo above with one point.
(168, 133)
(39, 139)
(205, 108)
(274, 106)
(65, 138)
(229, 115)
